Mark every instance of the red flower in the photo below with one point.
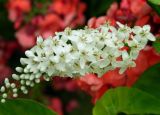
(59, 14)
(56, 105)
(25, 36)
(71, 11)
(114, 79)
(6, 50)
(134, 12)
(96, 22)
(72, 105)
(67, 84)
(90, 83)
(16, 9)
(156, 18)
(49, 24)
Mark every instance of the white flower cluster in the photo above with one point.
(77, 52)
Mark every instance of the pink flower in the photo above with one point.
(25, 36)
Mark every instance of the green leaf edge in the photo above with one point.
(30, 101)
(124, 111)
(154, 5)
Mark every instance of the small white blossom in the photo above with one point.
(123, 31)
(143, 33)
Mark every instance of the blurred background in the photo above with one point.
(21, 21)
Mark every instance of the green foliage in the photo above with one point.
(23, 107)
(150, 81)
(156, 45)
(35, 10)
(128, 101)
(85, 105)
(155, 4)
(97, 7)
(6, 27)
(142, 99)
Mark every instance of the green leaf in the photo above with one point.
(143, 98)
(83, 99)
(97, 7)
(23, 107)
(155, 4)
(127, 101)
(150, 81)
(156, 45)
(6, 26)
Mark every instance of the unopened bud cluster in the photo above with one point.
(77, 52)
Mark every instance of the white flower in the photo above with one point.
(75, 53)
(143, 33)
(123, 32)
(39, 40)
(134, 53)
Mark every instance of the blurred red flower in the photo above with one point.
(134, 12)
(67, 84)
(72, 104)
(56, 105)
(96, 22)
(58, 14)
(16, 9)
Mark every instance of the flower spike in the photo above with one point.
(78, 52)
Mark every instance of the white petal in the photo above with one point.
(120, 25)
(137, 29)
(125, 55)
(39, 40)
(151, 37)
(146, 28)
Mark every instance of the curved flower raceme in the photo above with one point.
(78, 52)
